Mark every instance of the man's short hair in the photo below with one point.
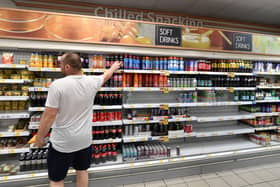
(73, 60)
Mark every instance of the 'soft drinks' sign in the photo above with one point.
(168, 35)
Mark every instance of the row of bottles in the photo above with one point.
(181, 82)
(38, 99)
(108, 98)
(33, 160)
(188, 97)
(266, 67)
(115, 81)
(144, 80)
(106, 116)
(145, 151)
(104, 153)
(101, 133)
(267, 95)
(244, 95)
(224, 81)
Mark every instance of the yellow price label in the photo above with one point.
(161, 161)
(164, 138)
(5, 178)
(39, 69)
(143, 139)
(148, 89)
(166, 73)
(119, 89)
(14, 65)
(131, 89)
(231, 74)
(164, 107)
(164, 90)
(231, 89)
(133, 139)
(33, 175)
(12, 151)
(131, 164)
(40, 89)
(164, 122)
(2, 80)
(17, 134)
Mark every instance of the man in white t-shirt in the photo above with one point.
(68, 112)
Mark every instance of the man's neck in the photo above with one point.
(76, 73)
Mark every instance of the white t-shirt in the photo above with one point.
(74, 98)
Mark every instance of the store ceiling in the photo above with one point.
(253, 11)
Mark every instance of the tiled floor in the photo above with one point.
(257, 176)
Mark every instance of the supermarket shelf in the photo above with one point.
(111, 89)
(267, 73)
(224, 73)
(105, 48)
(14, 134)
(226, 88)
(260, 114)
(267, 101)
(119, 161)
(152, 89)
(131, 139)
(38, 89)
(155, 105)
(107, 123)
(13, 66)
(13, 151)
(44, 89)
(105, 107)
(225, 130)
(117, 140)
(14, 98)
(225, 118)
(13, 81)
(44, 69)
(33, 125)
(266, 128)
(268, 87)
(14, 115)
(126, 121)
(36, 109)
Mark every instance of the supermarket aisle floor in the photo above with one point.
(259, 176)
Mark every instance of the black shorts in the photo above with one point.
(59, 163)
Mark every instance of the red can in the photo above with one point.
(102, 116)
(188, 128)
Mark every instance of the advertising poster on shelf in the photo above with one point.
(266, 44)
(74, 28)
(201, 38)
(61, 27)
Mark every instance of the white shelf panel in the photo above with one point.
(14, 98)
(33, 125)
(12, 81)
(223, 131)
(44, 69)
(226, 88)
(111, 89)
(14, 134)
(105, 107)
(126, 121)
(38, 89)
(131, 139)
(268, 87)
(266, 128)
(36, 109)
(156, 105)
(117, 140)
(260, 114)
(224, 73)
(104, 48)
(151, 89)
(13, 151)
(267, 73)
(267, 101)
(14, 115)
(13, 66)
(225, 118)
(107, 123)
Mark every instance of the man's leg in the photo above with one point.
(82, 178)
(57, 184)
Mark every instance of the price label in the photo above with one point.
(33, 175)
(149, 89)
(119, 89)
(231, 133)
(133, 139)
(231, 74)
(164, 122)
(12, 151)
(231, 89)
(39, 69)
(131, 164)
(164, 139)
(17, 133)
(5, 178)
(143, 139)
(166, 73)
(161, 161)
(164, 107)
(2, 80)
(131, 89)
(14, 65)
(149, 106)
(1, 135)
(165, 90)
